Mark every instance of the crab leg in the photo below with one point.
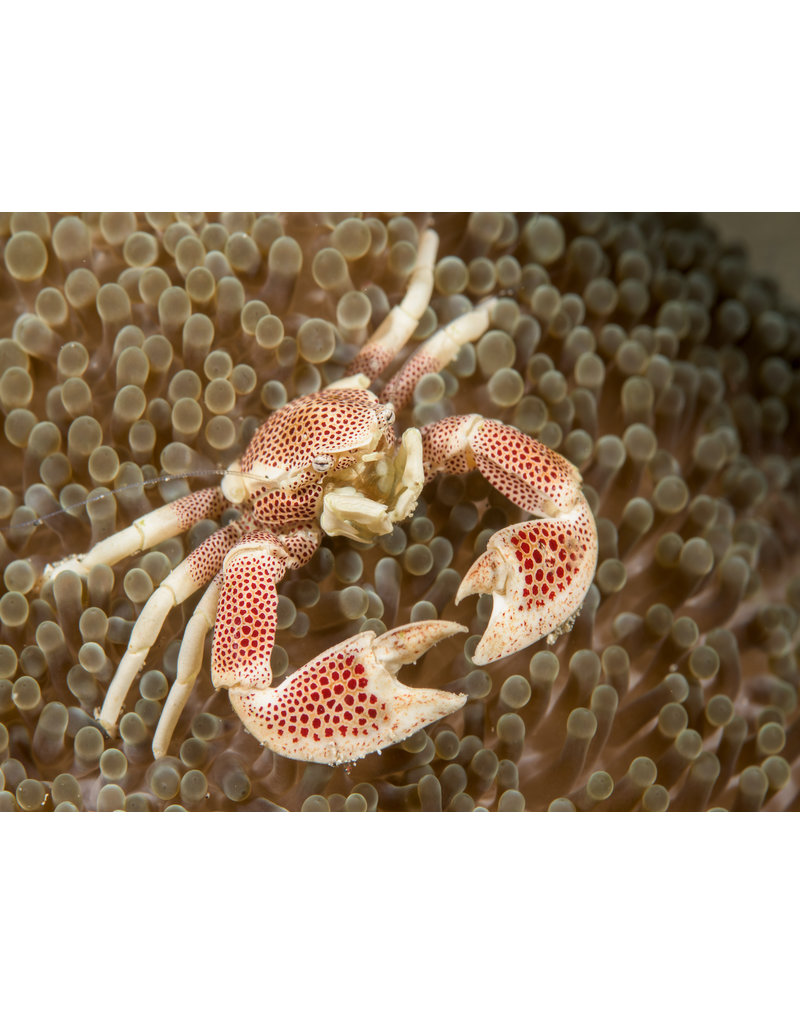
(247, 613)
(347, 702)
(437, 352)
(402, 321)
(295, 547)
(160, 524)
(190, 661)
(195, 570)
(539, 571)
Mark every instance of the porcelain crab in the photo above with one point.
(330, 463)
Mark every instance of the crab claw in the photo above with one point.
(347, 703)
(538, 573)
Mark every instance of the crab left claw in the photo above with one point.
(347, 702)
(538, 573)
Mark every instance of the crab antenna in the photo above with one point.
(165, 478)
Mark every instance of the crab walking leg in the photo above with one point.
(297, 545)
(395, 331)
(148, 530)
(190, 661)
(538, 572)
(193, 572)
(347, 702)
(437, 352)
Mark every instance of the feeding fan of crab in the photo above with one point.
(330, 463)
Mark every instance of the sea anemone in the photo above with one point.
(140, 352)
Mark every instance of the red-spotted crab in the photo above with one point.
(329, 463)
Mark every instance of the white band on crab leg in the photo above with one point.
(192, 573)
(437, 352)
(357, 380)
(420, 285)
(190, 661)
(395, 331)
(150, 529)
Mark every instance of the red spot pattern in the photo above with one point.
(347, 703)
(330, 698)
(523, 469)
(274, 508)
(244, 630)
(372, 360)
(551, 564)
(546, 560)
(300, 544)
(552, 560)
(520, 467)
(400, 389)
(206, 560)
(443, 448)
(207, 504)
(330, 422)
(321, 423)
(333, 697)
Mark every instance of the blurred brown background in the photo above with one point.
(773, 240)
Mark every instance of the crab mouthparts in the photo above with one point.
(366, 500)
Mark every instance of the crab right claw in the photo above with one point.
(538, 573)
(347, 702)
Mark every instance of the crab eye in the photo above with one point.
(389, 415)
(321, 463)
